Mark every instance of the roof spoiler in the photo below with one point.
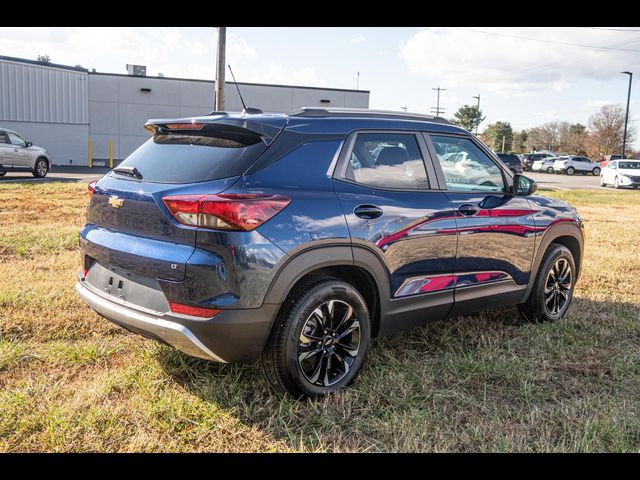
(220, 124)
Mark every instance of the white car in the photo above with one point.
(576, 164)
(621, 173)
(544, 164)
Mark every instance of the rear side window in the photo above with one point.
(387, 160)
(188, 158)
(3, 137)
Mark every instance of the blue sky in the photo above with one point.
(526, 81)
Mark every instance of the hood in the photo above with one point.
(39, 149)
(634, 172)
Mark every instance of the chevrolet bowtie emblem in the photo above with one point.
(115, 202)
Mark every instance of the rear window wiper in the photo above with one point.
(127, 170)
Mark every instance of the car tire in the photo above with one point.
(304, 355)
(2, 174)
(596, 171)
(41, 168)
(616, 183)
(571, 171)
(550, 170)
(552, 291)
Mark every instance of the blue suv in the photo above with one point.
(296, 239)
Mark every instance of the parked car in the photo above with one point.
(621, 173)
(609, 158)
(20, 155)
(528, 159)
(544, 164)
(576, 164)
(279, 238)
(512, 161)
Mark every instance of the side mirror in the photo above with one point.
(523, 185)
(28, 144)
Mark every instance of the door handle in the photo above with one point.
(468, 210)
(367, 211)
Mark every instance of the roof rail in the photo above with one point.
(216, 113)
(365, 112)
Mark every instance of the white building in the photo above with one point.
(61, 108)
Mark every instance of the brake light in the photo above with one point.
(184, 126)
(195, 311)
(92, 187)
(225, 211)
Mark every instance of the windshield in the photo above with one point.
(633, 165)
(195, 158)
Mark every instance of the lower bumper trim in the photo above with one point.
(176, 335)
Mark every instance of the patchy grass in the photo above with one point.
(70, 381)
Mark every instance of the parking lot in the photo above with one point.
(552, 181)
(545, 181)
(57, 174)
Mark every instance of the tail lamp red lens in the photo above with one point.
(194, 311)
(92, 186)
(225, 211)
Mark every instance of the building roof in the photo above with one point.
(84, 70)
(43, 64)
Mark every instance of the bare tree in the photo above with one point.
(544, 137)
(606, 130)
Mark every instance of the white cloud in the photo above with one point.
(597, 104)
(279, 74)
(461, 57)
(177, 52)
(357, 38)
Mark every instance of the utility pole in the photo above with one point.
(503, 139)
(437, 110)
(404, 108)
(358, 82)
(220, 68)
(626, 117)
(478, 120)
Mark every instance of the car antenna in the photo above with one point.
(244, 106)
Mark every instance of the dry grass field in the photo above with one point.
(69, 381)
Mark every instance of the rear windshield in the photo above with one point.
(193, 158)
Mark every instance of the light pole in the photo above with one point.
(626, 117)
(478, 120)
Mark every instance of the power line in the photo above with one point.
(613, 29)
(551, 41)
(437, 110)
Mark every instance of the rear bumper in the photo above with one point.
(232, 336)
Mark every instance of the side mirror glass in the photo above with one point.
(523, 185)
(28, 144)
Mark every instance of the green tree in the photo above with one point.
(494, 134)
(520, 141)
(468, 117)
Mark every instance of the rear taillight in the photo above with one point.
(92, 187)
(194, 311)
(225, 211)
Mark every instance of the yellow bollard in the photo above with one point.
(110, 154)
(90, 156)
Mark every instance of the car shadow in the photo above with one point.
(453, 355)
